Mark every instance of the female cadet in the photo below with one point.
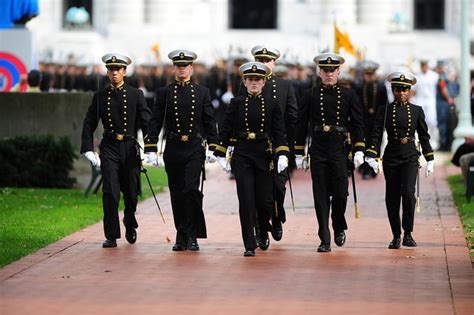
(400, 160)
(257, 124)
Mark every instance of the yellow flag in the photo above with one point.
(341, 40)
(155, 48)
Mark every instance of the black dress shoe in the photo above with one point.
(408, 241)
(131, 235)
(395, 243)
(109, 243)
(249, 253)
(277, 230)
(193, 244)
(264, 242)
(340, 238)
(324, 248)
(178, 247)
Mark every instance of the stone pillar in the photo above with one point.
(342, 11)
(126, 12)
(375, 12)
(464, 128)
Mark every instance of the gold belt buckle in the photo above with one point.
(119, 137)
(251, 135)
(326, 128)
(184, 138)
(404, 140)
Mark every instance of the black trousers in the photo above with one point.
(120, 167)
(330, 190)
(184, 176)
(366, 170)
(400, 183)
(280, 192)
(255, 192)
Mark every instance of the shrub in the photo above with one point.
(36, 161)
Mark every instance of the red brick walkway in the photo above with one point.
(77, 276)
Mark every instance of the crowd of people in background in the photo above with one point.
(436, 90)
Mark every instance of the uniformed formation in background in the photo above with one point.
(265, 127)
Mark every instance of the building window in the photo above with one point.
(251, 14)
(77, 14)
(429, 14)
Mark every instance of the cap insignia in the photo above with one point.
(114, 59)
(254, 68)
(329, 60)
(264, 50)
(402, 77)
(181, 55)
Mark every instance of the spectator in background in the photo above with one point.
(33, 80)
(372, 94)
(464, 155)
(472, 93)
(17, 87)
(47, 71)
(443, 102)
(345, 80)
(424, 93)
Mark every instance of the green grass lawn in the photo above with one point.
(466, 210)
(32, 218)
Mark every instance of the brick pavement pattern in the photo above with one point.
(77, 276)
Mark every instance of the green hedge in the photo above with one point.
(36, 161)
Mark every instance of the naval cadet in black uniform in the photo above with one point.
(184, 110)
(401, 120)
(260, 151)
(327, 113)
(123, 111)
(282, 91)
(372, 93)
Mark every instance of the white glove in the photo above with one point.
(93, 157)
(151, 158)
(227, 96)
(429, 168)
(282, 163)
(222, 161)
(359, 159)
(210, 157)
(372, 163)
(299, 161)
(215, 103)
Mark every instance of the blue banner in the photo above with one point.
(17, 12)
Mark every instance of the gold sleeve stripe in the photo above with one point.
(359, 144)
(428, 154)
(373, 151)
(299, 147)
(220, 148)
(150, 145)
(212, 144)
(282, 148)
